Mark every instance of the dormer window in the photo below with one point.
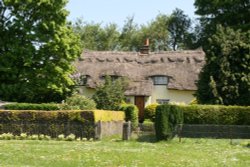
(160, 80)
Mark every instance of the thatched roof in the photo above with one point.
(181, 67)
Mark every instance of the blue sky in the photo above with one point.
(116, 11)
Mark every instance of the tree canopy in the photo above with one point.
(164, 32)
(37, 47)
(225, 79)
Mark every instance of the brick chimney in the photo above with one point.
(145, 48)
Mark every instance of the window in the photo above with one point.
(162, 101)
(160, 80)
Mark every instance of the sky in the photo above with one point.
(116, 11)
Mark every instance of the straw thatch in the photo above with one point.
(181, 67)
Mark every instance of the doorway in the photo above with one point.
(140, 103)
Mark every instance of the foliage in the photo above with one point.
(131, 114)
(106, 116)
(178, 27)
(37, 49)
(225, 77)
(150, 111)
(78, 102)
(94, 37)
(157, 33)
(214, 114)
(32, 106)
(166, 120)
(52, 123)
(110, 95)
(228, 13)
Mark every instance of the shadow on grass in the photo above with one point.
(149, 138)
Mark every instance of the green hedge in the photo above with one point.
(31, 106)
(215, 114)
(150, 111)
(131, 114)
(54, 123)
(167, 118)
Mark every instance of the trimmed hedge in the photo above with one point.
(216, 114)
(54, 123)
(31, 106)
(167, 118)
(131, 114)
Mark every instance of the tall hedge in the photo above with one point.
(216, 114)
(166, 120)
(131, 114)
(54, 123)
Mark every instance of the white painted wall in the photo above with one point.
(159, 92)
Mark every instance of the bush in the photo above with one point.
(110, 95)
(216, 114)
(53, 123)
(150, 111)
(78, 102)
(32, 106)
(166, 120)
(131, 114)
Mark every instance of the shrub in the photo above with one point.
(32, 106)
(166, 120)
(53, 123)
(150, 111)
(131, 114)
(216, 114)
(110, 95)
(78, 102)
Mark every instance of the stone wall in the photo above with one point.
(110, 128)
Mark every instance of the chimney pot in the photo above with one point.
(145, 48)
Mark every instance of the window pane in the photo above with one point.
(160, 80)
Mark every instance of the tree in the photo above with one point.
(129, 38)
(157, 32)
(178, 27)
(94, 37)
(37, 47)
(110, 95)
(228, 13)
(225, 79)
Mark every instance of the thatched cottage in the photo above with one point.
(153, 77)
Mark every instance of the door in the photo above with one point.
(140, 103)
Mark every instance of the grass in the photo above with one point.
(114, 153)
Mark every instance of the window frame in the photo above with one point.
(154, 78)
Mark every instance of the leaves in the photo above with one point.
(38, 46)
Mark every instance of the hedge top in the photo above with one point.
(81, 115)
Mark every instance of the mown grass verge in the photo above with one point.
(114, 152)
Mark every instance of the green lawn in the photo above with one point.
(112, 153)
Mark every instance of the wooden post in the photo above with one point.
(126, 133)
(98, 130)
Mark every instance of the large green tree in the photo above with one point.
(37, 47)
(225, 78)
(228, 13)
(178, 27)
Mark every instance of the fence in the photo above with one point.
(214, 131)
